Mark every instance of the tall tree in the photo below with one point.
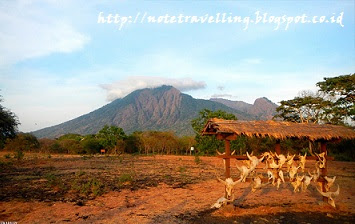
(109, 136)
(206, 114)
(8, 124)
(305, 108)
(23, 142)
(333, 103)
(341, 90)
(208, 144)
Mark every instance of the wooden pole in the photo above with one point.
(227, 160)
(278, 147)
(324, 172)
(227, 163)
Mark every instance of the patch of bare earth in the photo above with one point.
(163, 189)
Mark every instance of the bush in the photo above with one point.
(124, 178)
(91, 187)
(54, 181)
(197, 159)
(343, 150)
(22, 142)
(46, 144)
(91, 146)
(19, 155)
(71, 146)
(57, 148)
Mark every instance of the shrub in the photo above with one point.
(125, 177)
(23, 142)
(197, 159)
(19, 154)
(91, 146)
(57, 148)
(54, 181)
(91, 187)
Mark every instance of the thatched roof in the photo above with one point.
(278, 129)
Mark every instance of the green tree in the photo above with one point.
(22, 142)
(109, 136)
(71, 143)
(185, 144)
(208, 144)
(71, 146)
(133, 143)
(46, 144)
(334, 103)
(306, 108)
(206, 114)
(71, 136)
(90, 145)
(341, 91)
(8, 124)
(56, 148)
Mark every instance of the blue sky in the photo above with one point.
(57, 62)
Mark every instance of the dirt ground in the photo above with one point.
(156, 189)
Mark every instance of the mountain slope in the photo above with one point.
(164, 109)
(262, 109)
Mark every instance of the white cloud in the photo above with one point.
(123, 87)
(225, 96)
(28, 31)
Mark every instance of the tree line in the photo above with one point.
(333, 103)
(110, 138)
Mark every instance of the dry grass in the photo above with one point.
(155, 189)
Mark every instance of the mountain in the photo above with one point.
(262, 109)
(164, 109)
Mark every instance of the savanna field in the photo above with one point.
(43, 188)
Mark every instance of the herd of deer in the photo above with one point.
(274, 164)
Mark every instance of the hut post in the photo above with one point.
(278, 147)
(227, 160)
(323, 148)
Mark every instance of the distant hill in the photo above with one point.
(164, 109)
(262, 109)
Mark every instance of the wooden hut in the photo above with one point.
(228, 130)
